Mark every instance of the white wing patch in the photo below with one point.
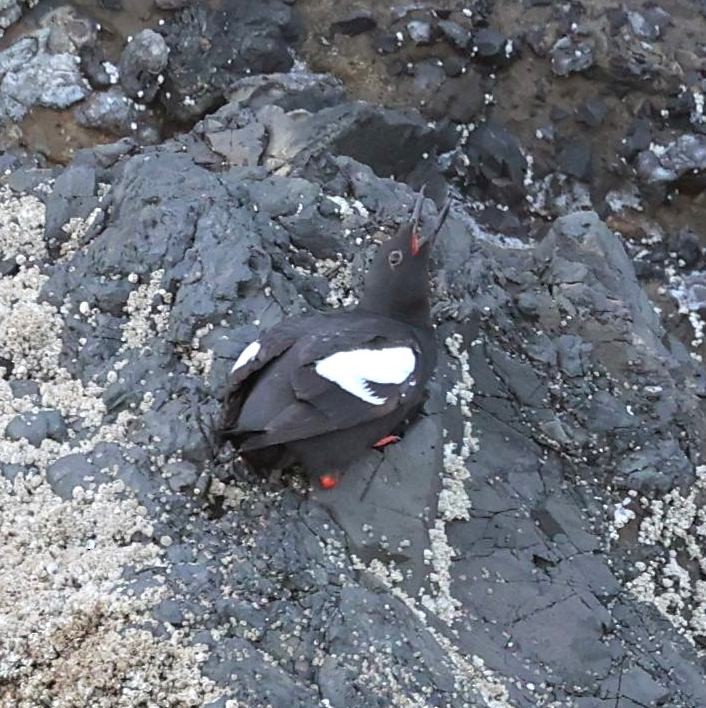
(246, 356)
(353, 370)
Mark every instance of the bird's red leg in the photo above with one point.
(387, 440)
(328, 481)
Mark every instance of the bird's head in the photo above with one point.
(397, 283)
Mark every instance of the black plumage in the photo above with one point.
(321, 390)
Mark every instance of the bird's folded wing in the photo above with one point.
(255, 357)
(343, 382)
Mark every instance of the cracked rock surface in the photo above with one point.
(537, 536)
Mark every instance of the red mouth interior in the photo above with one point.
(416, 245)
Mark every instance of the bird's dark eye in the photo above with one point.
(395, 258)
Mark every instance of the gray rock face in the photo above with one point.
(492, 548)
(141, 64)
(209, 49)
(32, 76)
(36, 427)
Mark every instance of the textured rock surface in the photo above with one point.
(511, 550)
(537, 536)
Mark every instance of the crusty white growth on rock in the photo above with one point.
(21, 225)
(67, 633)
(470, 674)
(454, 503)
(354, 370)
(76, 229)
(675, 524)
(29, 329)
(146, 319)
(339, 274)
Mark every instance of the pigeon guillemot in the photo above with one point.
(320, 390)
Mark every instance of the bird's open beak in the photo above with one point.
(414, 222)
(417, 239)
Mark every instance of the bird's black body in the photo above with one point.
(307, 394)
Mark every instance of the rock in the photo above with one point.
(354, 23)
(688, 248)
(419, 32)
(36, 427)
(69, 31)
(575, 159)
(74, 195)
(113, 112)
(683, 158)
(461, 99)
(572, 55)
(196, 79)
(97, 70)
(489, 44)
(592, 112)
(171, 4)
(142, 62)
(181, 475)
(454, 66)
(495, 159)
(456, 35)
(48, 80)
(72, 471)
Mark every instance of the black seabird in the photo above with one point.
(320, 390)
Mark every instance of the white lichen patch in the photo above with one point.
(339, 274)
(471, 675)
(76, 230)
(21, 226)
(145, 318)
(675, 524)
(454, 502)
(68, 632)
(29, 329)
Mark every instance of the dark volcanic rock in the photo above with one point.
(141, 65)
(354, 23)
(209, 49)
(519, 546)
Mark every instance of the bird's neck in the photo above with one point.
(416, 314)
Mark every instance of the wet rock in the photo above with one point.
(575, 159)
(684, 158)
(97, 70)
(69, 30)
(572, 55)
(419, 32)
(489, 44)
(592, 112)
(116, 113)
(456, 35)
(171, 4)
(496, 161)
(142, 62)
(37, 427)
(210, 48)
(356, 22)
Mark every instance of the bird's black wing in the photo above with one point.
(271, 345)
(322, 405)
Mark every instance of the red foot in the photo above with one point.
(387, 440)
(327, 481)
